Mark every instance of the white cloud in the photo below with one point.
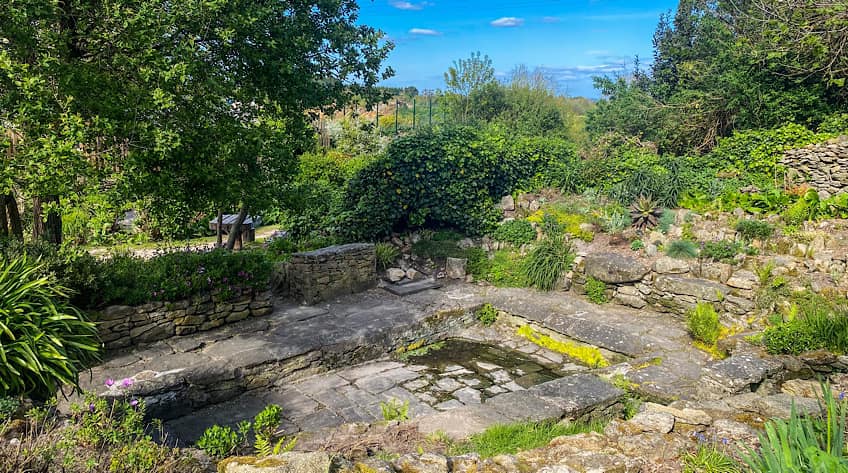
(403, 5)
(424, 32)
(507, 22)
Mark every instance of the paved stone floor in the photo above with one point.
(229, 374)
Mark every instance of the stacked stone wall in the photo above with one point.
(126, 326)
(323, 274)
(823, 166)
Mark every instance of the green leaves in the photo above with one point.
(44, 342)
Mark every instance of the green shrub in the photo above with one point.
(804, 443)
(818, 325)
(265, 425)
(511, 438)
(394, 409)
(437, 249)
(637, 245)
(44, 342)
(751, 230)
(516, 232)
(386, 254)
(506, 270)
(487, 315)
(724, 250)
(478, 262)
(547, 262)
(596, 291)
(8, 407)
(681, 249)
(703, 323)
(221, 442)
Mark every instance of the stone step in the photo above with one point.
(410, 288)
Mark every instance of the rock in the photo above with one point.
(414, 275)
(739, 373)
(802, 388)
(651, 250)
(291, 462)
(701, 289)
(659, 422)
(666, 265)
(469, 463)
(631, 300)
(507, 203)
(732, 430)
(455, 268)
(395, 274)
(426, 463)
(614, 269)
(686, 415)
(743, 279)
(781, 406)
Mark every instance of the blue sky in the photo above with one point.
(571, 39)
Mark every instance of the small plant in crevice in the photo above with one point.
(487, 314)
(750, 230)
(666, 220)
(645, 213)
(588, 355)
(386, 254)
(548, 261)
(8, 407)
(596, 290)
(723, 251)
(265, 425)
(709, 458)
(511, 438)
(637, 245)
(632, 401)
(395, 410)
(418, 349)
(703, 324)
(222, 441)
(681, 249)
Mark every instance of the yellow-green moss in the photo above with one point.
(712, 350)
(570, 222)
(591, 356)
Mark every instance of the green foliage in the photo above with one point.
(478, 262)
(724, 250)
(751, 230)
(637, 245)
(709, 458)
(557, 218)
(443, 178)
(836, 123)
(265, 425)
(703, 324)
(506, 269)
(437, 249)
(394, 409)
(681, 249)
(176, 275)
(387, 254)
(803, 443)
(221, 442)
(512, 438)
(596, 291)
(419, 349)
(548, 261)
(516, 232)
(487, 314)
(819, 323)
(8, 406)
(44, 342)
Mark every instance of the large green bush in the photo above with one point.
(448, 178)
(44, 342)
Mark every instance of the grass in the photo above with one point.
(587, 355)
(512, 438)
(709, 458)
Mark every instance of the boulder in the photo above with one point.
(291, 462)
(739, 373)
(455, 268)
(507, 203)
(613, 268)
(666, 265)
(659, 422)
(395, 274)
(426, 463)
(743, 279)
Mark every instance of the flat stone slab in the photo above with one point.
(578, 394)
(412, 287)
(462, 422)
(523, 406)
(613, 268)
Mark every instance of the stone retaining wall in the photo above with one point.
(822, 166)
(671, 285)
(125, 326)
(323, 274)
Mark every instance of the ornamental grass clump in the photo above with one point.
(548, 261)
(44, 342)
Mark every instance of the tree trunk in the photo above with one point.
(235, 230)
(49, 229)
(16, 227)
(220, 230)
(4, 222)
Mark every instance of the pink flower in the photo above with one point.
(133, 402)
(109, 382)
(127, 382)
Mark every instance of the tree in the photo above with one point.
(467, 76)
(190, 106)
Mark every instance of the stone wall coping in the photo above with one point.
(335, 250)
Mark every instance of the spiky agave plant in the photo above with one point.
(645, 213)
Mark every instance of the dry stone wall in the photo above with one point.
(823, 166)
(323, 274)
(126, 326)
